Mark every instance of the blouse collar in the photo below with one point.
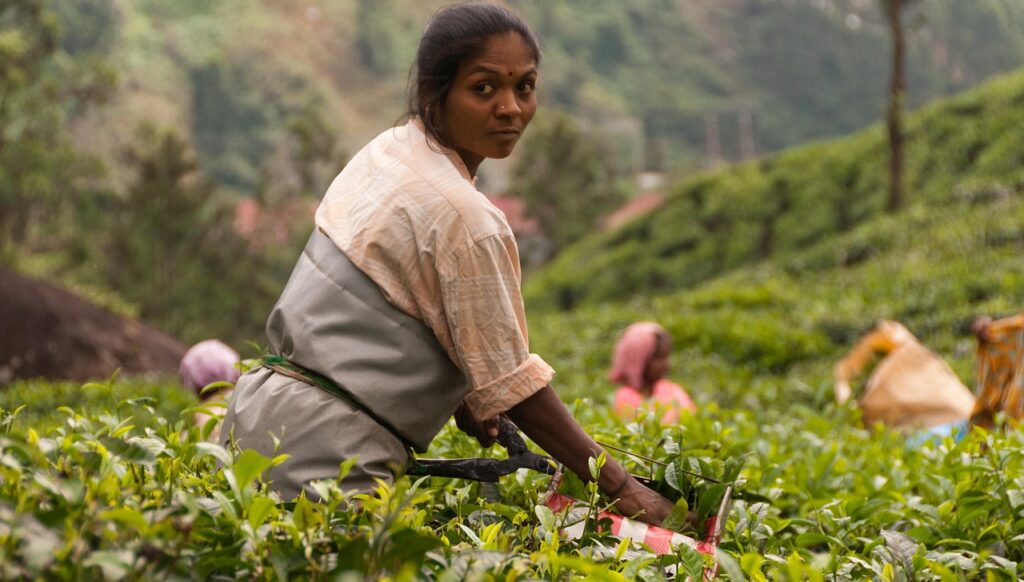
(446, 151)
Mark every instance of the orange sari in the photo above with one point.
(999, 373)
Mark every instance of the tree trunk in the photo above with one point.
(894, 118)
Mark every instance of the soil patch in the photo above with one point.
(48, 332)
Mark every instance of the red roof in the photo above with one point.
(515, 212)
(640, 205)
(261, 226)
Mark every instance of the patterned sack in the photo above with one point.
(910, 389)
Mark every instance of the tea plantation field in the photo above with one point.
(964, 148)
(110, 479)
(129, 491)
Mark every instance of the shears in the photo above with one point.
(519, 457)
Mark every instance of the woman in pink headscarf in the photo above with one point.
(639, 367)
(207, 362)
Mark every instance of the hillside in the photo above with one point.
(766, 336)
(969, 147)
(763, 327)
(236, 76)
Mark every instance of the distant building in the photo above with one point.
(515, 213)
(263, 226)
(639, 205)
(649, 181)
(534, 246)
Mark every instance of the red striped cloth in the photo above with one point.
(659, 539)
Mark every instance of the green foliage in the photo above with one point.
(754, 348)
(566, 178)
(315, 154)
(965, 147)
(87, 491)
(29, 37)
(39, 88)
(767, 335)
(157, 233)
(171, 250)
(130, 491)
(233, 71)
(262, 108)
(230, 119)
(805, 69)
(165, 249)
(87, 26)
(386, 41)
(39, 400)
(225, 74)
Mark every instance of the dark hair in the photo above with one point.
(455, 34)
(662, 339)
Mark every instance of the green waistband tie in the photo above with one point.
(281, 365)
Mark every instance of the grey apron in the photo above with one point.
(333, 320)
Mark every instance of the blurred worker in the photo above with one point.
(910, 389)
(1000, 354)
(207, 362)
(639, 366)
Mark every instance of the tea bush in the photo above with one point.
(112, 480)
(117, 484)
(716, 221)
(107, 494)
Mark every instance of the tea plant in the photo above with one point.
(112, 480)
(107, 494)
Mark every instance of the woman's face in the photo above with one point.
(657, 366)
(491, 101)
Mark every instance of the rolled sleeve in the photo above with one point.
(487, 322)
(511, 389)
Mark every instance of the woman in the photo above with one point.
(910, 389)
(203, 364)
(639, 365)
(1000, 357)
(405, 306)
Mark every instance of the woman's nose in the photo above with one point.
(508, 105)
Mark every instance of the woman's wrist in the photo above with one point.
(618, 489)
(614, 479)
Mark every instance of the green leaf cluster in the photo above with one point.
(960, 150)
(124, 496)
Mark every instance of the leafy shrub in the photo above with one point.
(119, 496)
(967, 147)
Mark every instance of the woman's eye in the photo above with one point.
(484, 88)
(527, 87)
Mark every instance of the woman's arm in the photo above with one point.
(546, 420)
(487, 324)
(883, 339)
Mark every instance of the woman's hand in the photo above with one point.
(981, 327)
(843, 391)
(642, 503)
(485, 431)
(544, 418)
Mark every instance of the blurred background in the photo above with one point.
(161, 160)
